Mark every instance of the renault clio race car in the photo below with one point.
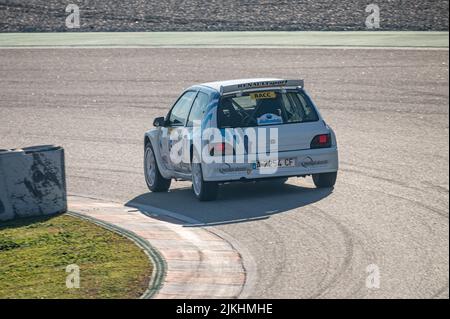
(240, 130)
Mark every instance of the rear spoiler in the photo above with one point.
(261, 84)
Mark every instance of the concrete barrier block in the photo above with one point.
(32, 182)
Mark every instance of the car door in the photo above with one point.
(172, 133)
(198, 110)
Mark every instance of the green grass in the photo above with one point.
(34, 254)
(255, 39)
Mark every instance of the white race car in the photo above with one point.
(240, 130)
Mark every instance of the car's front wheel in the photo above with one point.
(155, 181)
(324, 180)
(204, 191)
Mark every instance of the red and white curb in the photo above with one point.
(199, 263)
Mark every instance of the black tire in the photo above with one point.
(203, 191)
(158, 183)
(324, 180)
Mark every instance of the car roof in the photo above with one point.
(218, 84)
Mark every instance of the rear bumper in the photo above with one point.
(307, 162)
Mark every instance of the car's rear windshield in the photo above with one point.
(265, 108)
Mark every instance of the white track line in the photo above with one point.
(224, 47)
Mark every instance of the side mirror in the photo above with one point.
(159, 122)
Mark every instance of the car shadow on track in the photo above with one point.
(236, 203)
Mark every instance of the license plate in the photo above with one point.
(282, 162)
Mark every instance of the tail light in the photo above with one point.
(321, 141)
(221, 149)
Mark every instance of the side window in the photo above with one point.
(198, 108)
(180, 110)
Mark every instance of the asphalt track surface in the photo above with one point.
(389, 108)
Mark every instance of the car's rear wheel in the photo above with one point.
(204, 191)
(155, 181)
(324, 180)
